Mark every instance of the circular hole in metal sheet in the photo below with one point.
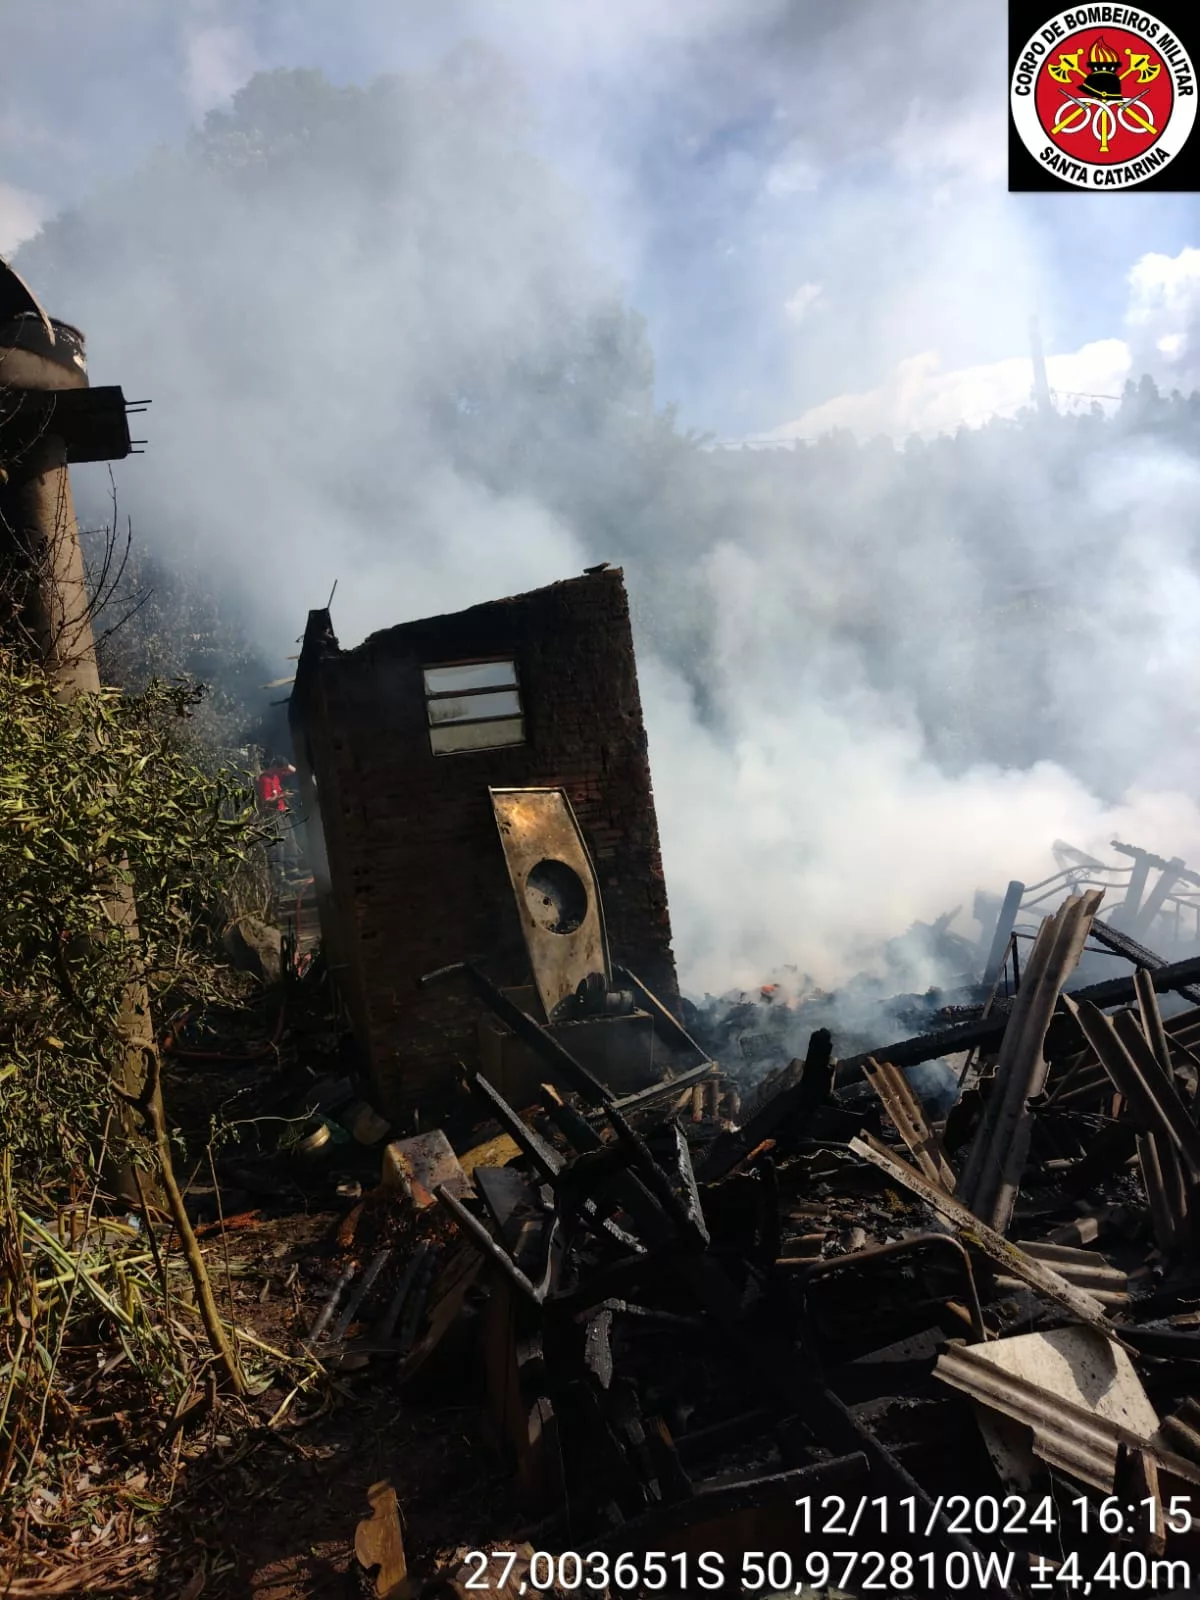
(556, 896)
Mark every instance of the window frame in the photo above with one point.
(513, 687)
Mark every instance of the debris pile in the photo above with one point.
(694, 1320)
(825, 1309)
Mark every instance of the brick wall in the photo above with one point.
(416, 874)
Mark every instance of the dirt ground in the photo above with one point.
(269, 1506)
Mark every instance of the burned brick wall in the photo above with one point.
(411, 874)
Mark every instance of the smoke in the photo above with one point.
(390, 328)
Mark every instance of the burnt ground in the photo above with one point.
(270, 1511)
(261, 1497)
(267, 1504)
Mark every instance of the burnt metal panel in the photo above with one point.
(558, 899)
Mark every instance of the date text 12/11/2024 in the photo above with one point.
(833, 1518)
(991, 1514)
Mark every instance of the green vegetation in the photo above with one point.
(101, 790)
(98, 793)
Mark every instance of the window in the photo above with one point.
(473, 705)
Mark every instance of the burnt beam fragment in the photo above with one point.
(789, 1106)
(1146, 960)
(1173, 978)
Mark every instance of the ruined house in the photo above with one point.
(478, 786)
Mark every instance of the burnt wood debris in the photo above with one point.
(710, 1269)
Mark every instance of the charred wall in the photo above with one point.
(411, 875)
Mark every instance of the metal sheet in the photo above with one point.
(1088, 1268)
(1129, 1061)
(422, 1164)
(558, 900)
(992, 1175)
(1076, 1391)
(1162, 1214)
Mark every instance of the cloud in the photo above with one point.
(21, 215)
(971, 142)
(920, 397)
(218, 61)
(797, 306)
(1164, 315)
(794, 172)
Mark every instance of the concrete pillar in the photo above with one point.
(48, 611)
(48, 583)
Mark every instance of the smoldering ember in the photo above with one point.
(382, 1217)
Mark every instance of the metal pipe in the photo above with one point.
(895, 1247)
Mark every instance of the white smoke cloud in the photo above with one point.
(218, 61)
(805, 815)
(824, 827)
(1164, 315)
(21, 215)
(922, 398)
(298, 370)
(814, 800)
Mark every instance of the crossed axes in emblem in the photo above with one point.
(1146, 69)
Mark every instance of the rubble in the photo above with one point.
(721, 1257)
(690, 1322)
(790, 1266)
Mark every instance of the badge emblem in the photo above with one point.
(1103, 106)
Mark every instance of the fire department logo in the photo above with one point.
(1103, 96)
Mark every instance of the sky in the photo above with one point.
(788, 191)
(807, 203)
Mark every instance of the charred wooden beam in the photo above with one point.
(1121, 944)
(1173, 978)
(792, 1103)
